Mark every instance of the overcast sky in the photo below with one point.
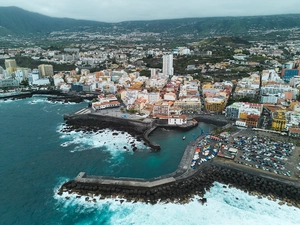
(124, 10)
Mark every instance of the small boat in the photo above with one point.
(183, 138)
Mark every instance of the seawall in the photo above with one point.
(183, 189)
(211, 119)
(106, 121)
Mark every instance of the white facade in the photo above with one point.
(240, 123)
(41, 82)
(19, 76)
(180, 120)
(168, 65)
(279, 89)
(170, 96)
(131, 96)
(153, 97)
(34, 76)
(295, 81)
(65, 87)
(58, 80)
(269, 99)
(153, 73)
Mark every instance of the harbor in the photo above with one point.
(198, 169)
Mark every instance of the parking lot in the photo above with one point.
(266, 152)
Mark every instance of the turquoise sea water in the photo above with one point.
(36, 158)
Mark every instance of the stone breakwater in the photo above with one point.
(182, 190)
(93, 123)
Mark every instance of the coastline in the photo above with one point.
(16, 96)
(243, 178)
(141, 129)
(182, 190)
(53, 95)
(181, 185)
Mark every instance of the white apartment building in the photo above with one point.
(153, 97)
(19, 76)
(279, 89)
(168, 69)
(295, 81)
(170, 96)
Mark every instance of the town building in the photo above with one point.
(279, 120)
(294, 132)
(10, 65)
(288, 74)
(8, 83)
(46, 70)
(216, 105)
(104, 102)
(189, 104)
(168, 69)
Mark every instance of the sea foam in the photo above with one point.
(115, 142)
(224, 206)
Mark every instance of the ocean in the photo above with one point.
(36, 158)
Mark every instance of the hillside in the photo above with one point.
(14, 20)
(224, 41)
(17, 21)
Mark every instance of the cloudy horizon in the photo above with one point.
(130, 10)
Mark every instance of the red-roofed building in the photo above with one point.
(252, 120)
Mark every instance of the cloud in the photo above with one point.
(123, 10)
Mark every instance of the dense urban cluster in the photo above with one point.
(265, 98)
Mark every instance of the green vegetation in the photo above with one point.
(131, 111)
(217, 130)
(146, 73)
(224, 41)
(24, 83)
(25, 22)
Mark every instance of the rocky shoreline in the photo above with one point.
(56, 96)
(94, 123)
(17, 96)
(183, 190)
(66, 99)
(136, 128)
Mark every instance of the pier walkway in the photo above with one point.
(83, 111)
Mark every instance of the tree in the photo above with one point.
(131, 110)
(146, 73)
(24, 83)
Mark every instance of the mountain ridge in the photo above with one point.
(17, 21)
